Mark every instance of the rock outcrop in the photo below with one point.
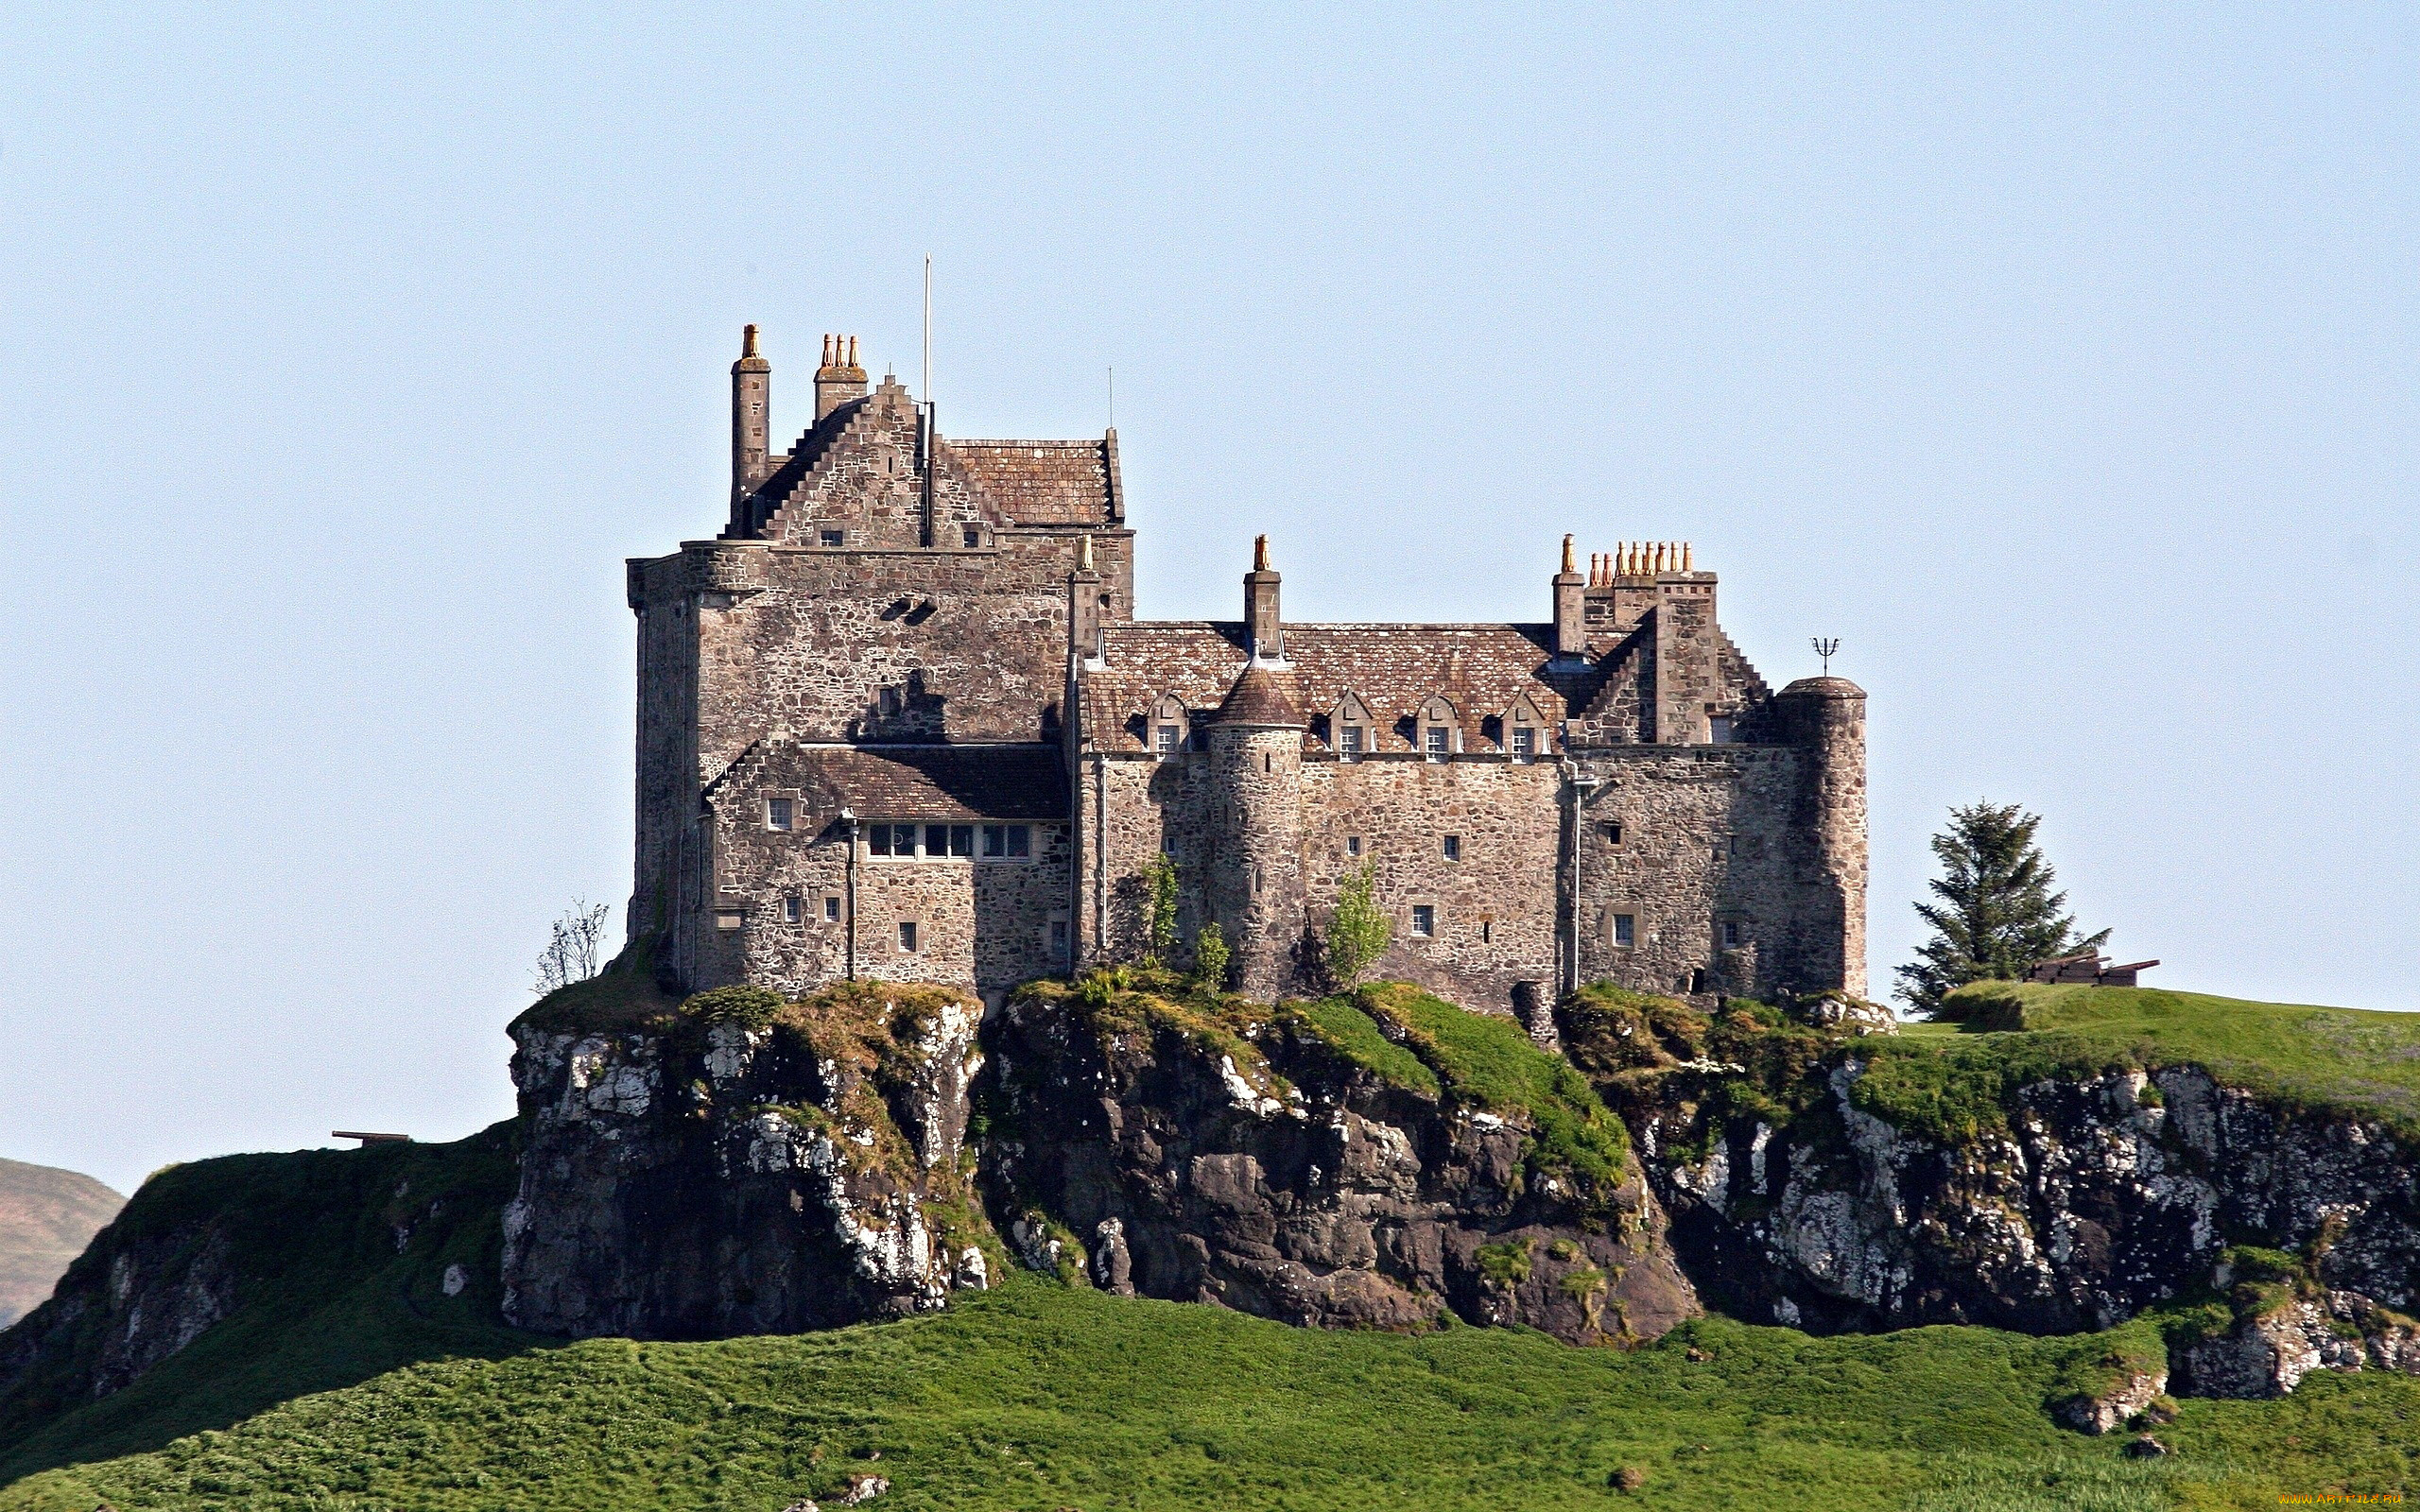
(1378, 1164)
(1819, 1181)
(746, 1166)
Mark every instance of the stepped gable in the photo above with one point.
(753, 517)
(1265, 694)
(1043, 483)
(971, 782)
(1483, 669)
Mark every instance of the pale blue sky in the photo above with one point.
(2058, 360)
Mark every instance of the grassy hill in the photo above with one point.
(351, 1381)
(46, 1218)
(2347, 1060)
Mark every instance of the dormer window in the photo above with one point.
(1440, 726)
(1521, 725)
(1168, 726)
(1350, 724)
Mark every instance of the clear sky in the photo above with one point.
(2058, 360)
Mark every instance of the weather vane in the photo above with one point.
(1825, 648)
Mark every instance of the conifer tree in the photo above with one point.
(1996, 914)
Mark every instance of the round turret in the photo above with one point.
(1254, 881)
(1824, 717)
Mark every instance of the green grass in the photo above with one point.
(328, 1297)
(2338, 1061)
(1492, 1063)
(1353, 1033)
(1039, 1397)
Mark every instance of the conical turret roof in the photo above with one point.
(1265, 694)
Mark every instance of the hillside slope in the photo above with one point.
(1037, 1397)
(46, 1218)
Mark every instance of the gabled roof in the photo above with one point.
(1392, 668)
(970, 781)
(1043, 483)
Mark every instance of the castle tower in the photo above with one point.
(1825, 719)
(752, 397)
(840, 378)
(1254, 878)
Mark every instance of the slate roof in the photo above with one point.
(1263, 696)
(1481, 668)
(923, 782)
(1043, 483)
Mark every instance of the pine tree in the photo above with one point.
(1998, 915)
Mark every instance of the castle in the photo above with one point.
(899, 721)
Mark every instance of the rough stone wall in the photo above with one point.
(1496, 908)
(1254, 870)
(1687, 675)
(1707, 836)
(664, 772)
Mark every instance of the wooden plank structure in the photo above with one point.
(2089, 968)
(367, 1139)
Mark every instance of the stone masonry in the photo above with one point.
(898, 721)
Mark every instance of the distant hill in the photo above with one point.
(46, 1218)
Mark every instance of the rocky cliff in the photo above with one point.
(2044, 1185)
(751, 1165)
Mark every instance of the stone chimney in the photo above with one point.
(751, 395)
(1263, 632)
(840, 378)
(1570, 608)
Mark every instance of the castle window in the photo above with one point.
(1423, 921)
(908, 935)
(777, 814)
(1348, 743)
(951, 840)
(832, 910)
(1059, 938)
(973, 535)
(1019, 842)
(889, 702)
(793, 910)
(1625, 931)
(1718, 730)
(1453, 848)
(1525, 743)
(1487, 931)
(1734, 934)
(831, 538)
(1433, 742)
(1613, 834)
(878, 839)
(996, 841)
(1164, 740)
(1352, 845)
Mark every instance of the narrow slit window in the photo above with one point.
(908, 935)
(1423, 921)
(1059, 937)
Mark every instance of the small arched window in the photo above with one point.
(1168, 726)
